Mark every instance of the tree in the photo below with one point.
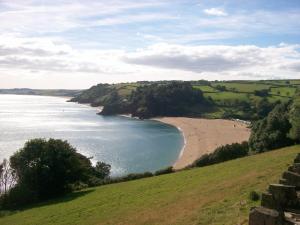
(220, 88)
(171, 99)
(295, 120)
(261, 93)
(102, 170)
(8, 177)
(272, 131)
(50, 168)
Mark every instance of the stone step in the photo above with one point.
(283, 195)
(292, 218)
(294, 168)
(267, 201)
(292, 178)
(283, 181)
(263, 216)
(297, 159)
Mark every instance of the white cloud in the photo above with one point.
(215, 12)
(54, 64)
(127, 19)
(34, 16)
(253, 23)
(282, 60)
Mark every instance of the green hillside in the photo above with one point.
(215, 194)
(227, 99)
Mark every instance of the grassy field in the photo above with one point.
(212, 195)
(248, 87)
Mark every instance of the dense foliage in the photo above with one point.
(294, 119)
(272, 131)
(246, 100)
(48, 168)
(95, 95)
(223, 153)
(281, 127)
(173, 99)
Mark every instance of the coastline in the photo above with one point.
(202, 136)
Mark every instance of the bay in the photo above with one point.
(128, 145)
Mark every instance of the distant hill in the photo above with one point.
(45, 92)
(217, 194)
(248, 100)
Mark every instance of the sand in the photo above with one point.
(204, 136)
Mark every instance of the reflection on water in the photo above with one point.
(127, 144)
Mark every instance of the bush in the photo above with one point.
(223, 153)
(272, 132)
(47, 169)
(254, 196)
(164, 171)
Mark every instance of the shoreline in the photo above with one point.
(203, 136)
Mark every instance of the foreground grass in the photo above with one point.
(215, 194)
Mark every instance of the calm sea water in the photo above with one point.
(129, 145)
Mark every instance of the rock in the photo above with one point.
(268, 201)
(264, 216)
(292, 178)
(291, 218)
(283, 195)
(295, 168)
(283, 181)
(297, 159)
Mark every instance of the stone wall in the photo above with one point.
(280, 205)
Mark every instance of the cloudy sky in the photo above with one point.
(76, 44)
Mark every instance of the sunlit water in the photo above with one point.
(129, 145)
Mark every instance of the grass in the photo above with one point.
(228, 96)
(214, 195)
(284, 91)
(205, 88)
(249, 87)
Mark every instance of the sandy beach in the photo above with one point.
(205, 135)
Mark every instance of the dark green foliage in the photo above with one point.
(223, 153)
(94, 95)
(254, 196)
(294, 118)
(221, 88)
(112, 104)
(263, 107)
(102, 170)
(172, 99)
(129, 177)
(164, 171)
(272, 131)
(50, 168)
(261, 93)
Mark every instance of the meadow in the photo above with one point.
(212, 195)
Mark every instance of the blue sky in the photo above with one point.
(75, 44)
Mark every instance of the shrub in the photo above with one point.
(254, 196)
(272, 131)
(223, 153)
(45, 169)
(164, 171)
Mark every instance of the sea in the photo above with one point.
(129, 145)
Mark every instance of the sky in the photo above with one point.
(76, 44)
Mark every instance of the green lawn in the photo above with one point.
(212, 195)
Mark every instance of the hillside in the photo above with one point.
(248, 100)
(215, 194)
(46, 92)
